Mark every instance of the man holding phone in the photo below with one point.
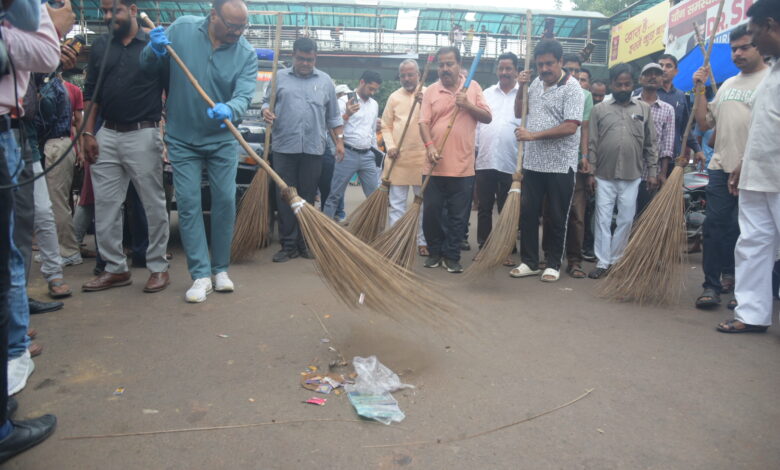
(359, 112)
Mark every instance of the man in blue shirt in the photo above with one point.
(225, 65)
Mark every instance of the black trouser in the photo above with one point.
(326, 176)
(721, 231)
(590, 221)
(643, 198)
(24, 213)
(558, 188)
(301, 171)
(6, 207)
(445, 233)
(492, 187)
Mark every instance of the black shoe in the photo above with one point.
(305, 253)
(452, 266)
(11, 407)
(26, 434)
(598, 273)
(464, 246)
(433, 262)
(589, 256)
(283, 256)
(37, 306)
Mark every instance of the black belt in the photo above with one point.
(354, 149)
(134, 126)
(8, 124)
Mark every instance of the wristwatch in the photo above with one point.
(340, 136)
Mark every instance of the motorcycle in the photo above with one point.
(694, 184)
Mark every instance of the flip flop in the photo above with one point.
(509, 262)
(58, 289)
(732, 304)
(728, 327)
(422, 250)
(550, 275)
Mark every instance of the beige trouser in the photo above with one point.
(59, 181)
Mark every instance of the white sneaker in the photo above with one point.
(223, 283)
(19, 370)
(199, 290)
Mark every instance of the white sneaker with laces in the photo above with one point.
(199, 290)
(19, 370)
(223, 283)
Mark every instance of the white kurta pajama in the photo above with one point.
(759, 207)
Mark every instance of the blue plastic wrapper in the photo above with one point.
(382, 408)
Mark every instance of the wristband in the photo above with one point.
(428, 144)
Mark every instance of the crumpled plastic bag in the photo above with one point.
(374, 378)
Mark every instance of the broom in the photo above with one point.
(503, 237)
(399, 244)
(649, 270)
(703, 52)
(357, 274)
(369, 219)
(252, 225)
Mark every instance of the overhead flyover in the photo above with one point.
(346, 30)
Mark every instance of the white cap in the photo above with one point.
(342, 89)
(652, 66)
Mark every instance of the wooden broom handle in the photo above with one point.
(420, 85)
(277, 179)
(681, 159)
(524, 91)
(274, 68)
(704, 51)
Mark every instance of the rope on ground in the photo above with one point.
(483, 433)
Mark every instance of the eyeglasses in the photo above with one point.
(232, 27)
(743, 48)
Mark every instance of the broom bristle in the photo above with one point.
(399, 243)
(368, 220)
(358, 275)
(251, 230)
(502, 238)
(650, 270)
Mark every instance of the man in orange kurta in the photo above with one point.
(448, 195)
(408, 169)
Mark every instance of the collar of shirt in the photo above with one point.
(444, 89)
(313, 73)
(512, 91)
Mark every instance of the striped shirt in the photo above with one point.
(663, 118)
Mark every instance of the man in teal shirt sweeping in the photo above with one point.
(225, 64)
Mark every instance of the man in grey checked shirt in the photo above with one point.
(555, 108)
(306, 109)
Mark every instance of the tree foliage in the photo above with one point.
(607, 7)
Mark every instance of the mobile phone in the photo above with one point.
(351, 96)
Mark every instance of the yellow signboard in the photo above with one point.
(640, 35)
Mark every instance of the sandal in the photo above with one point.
(575, 271)
(551, 275)
(58, 289)
(730, 326)
(509, 262)
(598, 273)
(727, 283)
(524, 271)
(732, 304)
(422, 250)
(708, 298)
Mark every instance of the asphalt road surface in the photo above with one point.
(668, 391)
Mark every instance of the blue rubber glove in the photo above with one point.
(158, 40)
(220, 112)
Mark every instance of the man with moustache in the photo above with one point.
(729, 113)
(126, 148)
(555, 111)
(757, 181)
(225, 64)
(622, 144)
(452, 171)
(663, 118)
(497, 147)
(408, 170)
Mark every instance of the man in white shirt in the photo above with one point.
(360, 113)
(729, 113)
(757, 181)
(497, 146)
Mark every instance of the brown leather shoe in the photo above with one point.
(107, 280)
(157, 282)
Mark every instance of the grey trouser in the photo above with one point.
(364, 164)
(123, 157)
(59, 181)
(46, 229)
